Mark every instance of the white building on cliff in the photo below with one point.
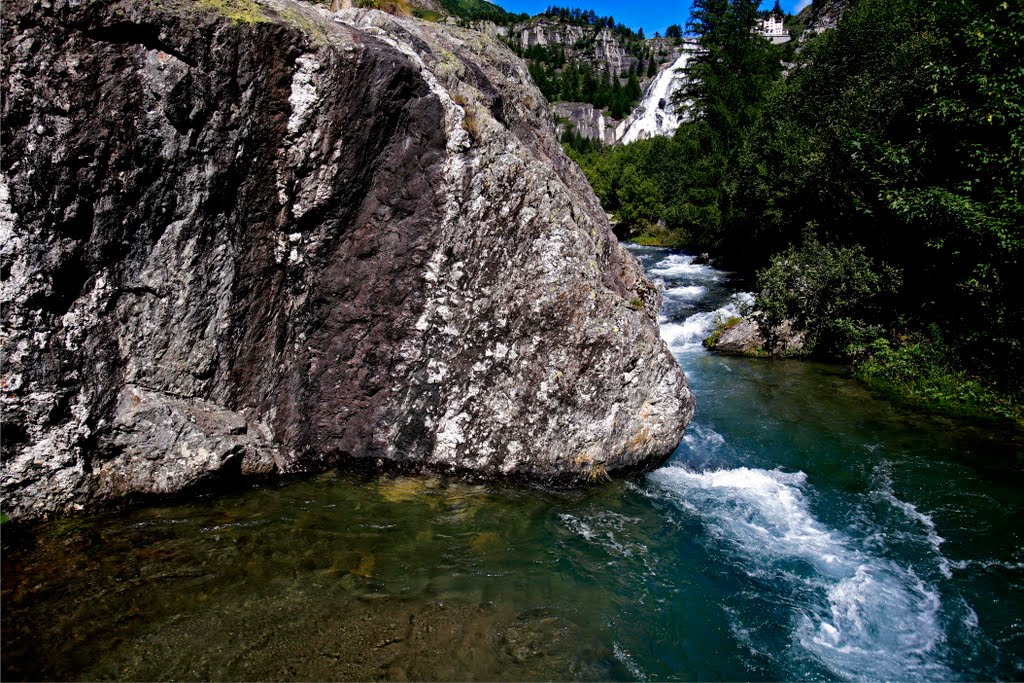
(773, 27)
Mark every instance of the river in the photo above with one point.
(804, 529)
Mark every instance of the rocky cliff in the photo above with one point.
(822, 16)
(243, 238)
(585, 120)
(600, 48)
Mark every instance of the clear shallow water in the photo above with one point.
(803, 530)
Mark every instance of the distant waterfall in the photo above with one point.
(655, 114)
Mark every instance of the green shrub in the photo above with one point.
(832, 292)
(923, 372)
(722, 326)
(427, 15)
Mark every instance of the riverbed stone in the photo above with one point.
(743, 337)
(302, 239)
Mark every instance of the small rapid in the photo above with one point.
(859, 615)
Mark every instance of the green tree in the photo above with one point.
(639, 198)
(901, 131)
(729, 79)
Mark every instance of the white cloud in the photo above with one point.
(800, 6)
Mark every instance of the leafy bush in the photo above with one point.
(923, 372)
(832, 292)
(722, 326)
(479, 10)
(399, 7)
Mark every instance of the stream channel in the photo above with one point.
(804, 529)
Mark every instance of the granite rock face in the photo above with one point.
(601, 49)
(280, 240)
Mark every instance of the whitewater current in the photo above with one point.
(849, 607)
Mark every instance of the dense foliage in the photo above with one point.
(580, 82)
(839, 295)
(575, 15)
(480, 10)
(894, 145)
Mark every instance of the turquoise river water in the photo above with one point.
(804, 529)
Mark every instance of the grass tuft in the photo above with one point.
(921, 373)
(242, 11)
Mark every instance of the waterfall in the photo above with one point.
(655, 114)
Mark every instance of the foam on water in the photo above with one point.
(686, 292)
(988, 565)
(925, 522)
(858, 615)
(702, 439)
(606, 529)
(678, 266)
(631, 666)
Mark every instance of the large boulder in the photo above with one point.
(253, 238)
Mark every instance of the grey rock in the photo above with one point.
(585, 120)
(233, 248)
(600, 49)
(161, 444)
(744, 338)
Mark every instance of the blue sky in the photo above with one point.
(651, 15)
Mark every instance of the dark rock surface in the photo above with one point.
(253, 238)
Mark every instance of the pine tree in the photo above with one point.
(729, 79)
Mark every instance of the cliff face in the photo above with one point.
(586, 120)
(264, 238)
(823, 15)
(601, 49)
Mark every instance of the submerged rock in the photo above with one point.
(278, 239)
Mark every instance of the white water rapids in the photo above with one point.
(851, 610)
